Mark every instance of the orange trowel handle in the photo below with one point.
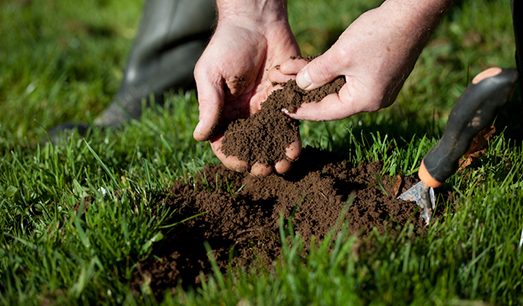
(476, 107)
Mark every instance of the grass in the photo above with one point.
(76, 218)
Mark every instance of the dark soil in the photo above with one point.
(264, 136)
(246, 223)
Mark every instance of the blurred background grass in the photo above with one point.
(63, 61)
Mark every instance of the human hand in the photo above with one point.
(232, 77)
(376, 53)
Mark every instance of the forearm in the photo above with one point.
(418, 18)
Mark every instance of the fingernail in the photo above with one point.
(303, 79)
(198, 127)
(197, 134)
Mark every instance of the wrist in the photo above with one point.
(261, 13)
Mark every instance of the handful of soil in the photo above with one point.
(264, 136)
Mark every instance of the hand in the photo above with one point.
(375, 54)
(232, 81)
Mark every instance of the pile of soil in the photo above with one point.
(264, 136)
(240, 214)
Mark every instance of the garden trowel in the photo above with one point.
(476, 107)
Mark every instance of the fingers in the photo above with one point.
(292, 152)
(283, 166)
(210, 99)
(231, 162)
(292, 66)
(332, 107)
(259, 169)
(276, 76)
(284, 72)
(319, 71)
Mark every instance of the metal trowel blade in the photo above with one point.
(423, 196)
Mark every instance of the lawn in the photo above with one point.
(63, 61)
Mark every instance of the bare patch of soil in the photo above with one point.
(244, 222)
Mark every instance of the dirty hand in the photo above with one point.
(376, 53)
(232, 73)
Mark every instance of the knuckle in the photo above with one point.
(343, 57)
(319, 72)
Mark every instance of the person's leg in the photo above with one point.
(171, 37)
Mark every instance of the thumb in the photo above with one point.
(210, 100)
(319, 72)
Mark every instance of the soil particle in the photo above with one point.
(240, 215)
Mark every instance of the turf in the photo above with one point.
(63, 61)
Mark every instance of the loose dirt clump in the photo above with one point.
(240, 214)
(264, 136)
